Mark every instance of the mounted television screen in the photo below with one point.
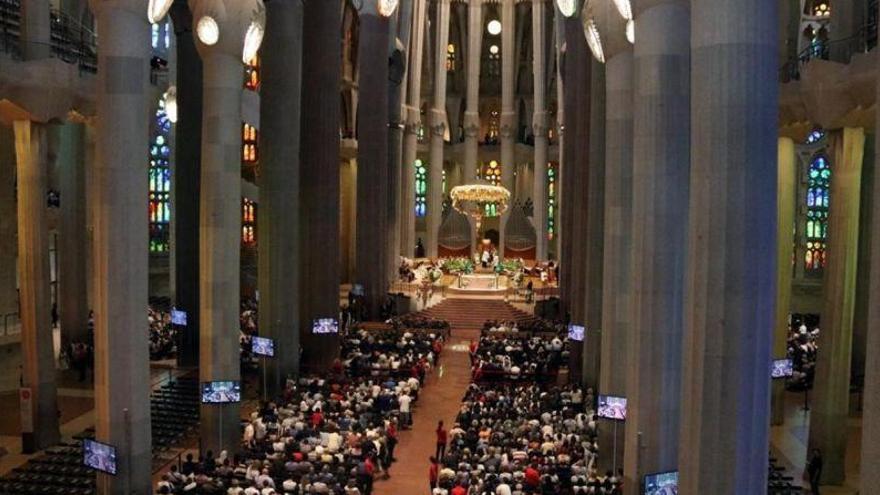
(662, 483)
(611, 407)
(178, 317)
(99, 456)
(357, 289)
(576, 332)
(221, 392)
(262, 346)
(782, 368)
(325, 325)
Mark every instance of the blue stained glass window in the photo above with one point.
(551, 201)
(818, 200)
(421, 185)
(160, 182)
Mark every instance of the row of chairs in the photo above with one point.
(60, 471)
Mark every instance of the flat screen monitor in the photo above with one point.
(222, 392)
(781, 368)
(262, 346)
(662, 483)
(576, 332)
(178, 317)
(611, 407)
(325, 325)
(99, 456)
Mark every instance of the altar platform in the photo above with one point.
(479, 284)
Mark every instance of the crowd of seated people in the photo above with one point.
(802, 349)
(522, 439)
(163, 335)
(533, 325)
(415, 321)
(397, 353)
(507, 356)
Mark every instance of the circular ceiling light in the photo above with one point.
(631, 31)
(207, 30)
(157, 9)
(625, 9)
(252, 41)
(594, 41)
(494, 27)
(493, 49)
(386, 7)
(567, 7)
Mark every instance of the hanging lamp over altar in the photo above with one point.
(471, 200)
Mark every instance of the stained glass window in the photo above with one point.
(815, 136)
(444, 183)
(421, 188)
(249, 144)
(816, 226)
(450, 58)
(248, 222)
(252, 74)
(551, 200)
(491, 173)
(160, 181)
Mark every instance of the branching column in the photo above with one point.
(122, 372)
(472, 105)
(411, 131)
(731, 252)
(438, 130)
(508, 114)
(539, 126)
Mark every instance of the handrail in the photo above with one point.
(861, 42)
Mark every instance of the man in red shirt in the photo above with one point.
(458, 490)
(533, 477)
(441, 441)
(433, 472)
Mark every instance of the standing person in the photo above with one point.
(433, 473)
(365, 473)
(814, 470)
(441, 441)
(405, 402)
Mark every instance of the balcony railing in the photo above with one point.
(862, 42)
(69, 40)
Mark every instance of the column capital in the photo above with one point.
(232, 31)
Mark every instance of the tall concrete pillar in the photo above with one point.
(870, 468)
(36, 29)
(661, 154)
(472, 103)
(372, 171)
(220, 211)
(278, 221)
(72, 292)
(830, 407)
(731, 251)
(122, 373)
(187, 171)
(319, 179)
(785, 193)
(399, 42)
(38, 359)
(508, 112)
(8, 222)
(411, 130)
(438, 130)
(616, 323)
(540, 129)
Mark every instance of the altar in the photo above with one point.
(479, 284)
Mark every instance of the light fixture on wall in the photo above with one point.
(386, 7)
(567, 7)
(494, 27)
(157, 9)
(594, 41)
(207, 30)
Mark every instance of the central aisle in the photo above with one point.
(439, 399)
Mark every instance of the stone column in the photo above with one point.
(38, 359)
(508, 112)
(830, 406)
(785, 193)
(411, 139)
(616, 323)
(8, 221)
(122, 367)
(35, 29)
(319, 178)
(472, 103)
(539, 126)
(661, 145)
(438, 130)
(870, 458)
(220, 213)
(185, 184)
(72, 294)
(372, 172)
(731, 251)
(278, 221)
(399, 42)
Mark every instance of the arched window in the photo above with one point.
(421, 188)
(551, 200)
(491, 172)
(160, 181)
(450, 58)
(248, 222)
(250, 152)
(252, 74)
(817, 8)
(816, 223)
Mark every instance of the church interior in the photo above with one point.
(443, 247)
